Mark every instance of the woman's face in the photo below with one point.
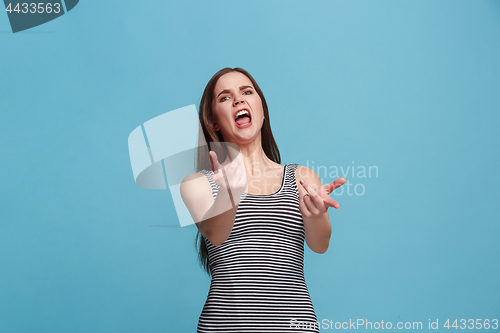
(234, 93)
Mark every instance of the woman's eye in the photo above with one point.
(223, 98)
(249, 92)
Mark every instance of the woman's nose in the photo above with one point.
(238, 100)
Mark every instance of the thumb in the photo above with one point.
(214, 161)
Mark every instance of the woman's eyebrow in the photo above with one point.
(227, 90)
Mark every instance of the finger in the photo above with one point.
(232, 167)
(232, 174)
(211, 160)
(219, 175)
(318, 202)
(224, 176)
(228, 174)
(307, 187)
(214, 161)
(329, 202)
(334, 185)
(312, 199)
(303, 207)
(311, 205)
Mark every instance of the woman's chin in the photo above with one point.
(246, 137)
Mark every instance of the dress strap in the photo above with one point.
(215, 187)
(290, 184)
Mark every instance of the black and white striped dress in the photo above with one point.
(258, 280)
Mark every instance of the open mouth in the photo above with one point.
(243, 118)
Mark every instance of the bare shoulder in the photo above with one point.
(195, 184)
(307, 174)
(195, 177)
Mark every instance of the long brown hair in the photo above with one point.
(206, 118)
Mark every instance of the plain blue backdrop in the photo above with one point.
(410, 87)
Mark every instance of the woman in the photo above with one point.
(253, 215)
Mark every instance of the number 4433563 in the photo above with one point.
(32, 8)
(472, 324)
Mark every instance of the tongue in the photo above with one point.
(243, 120)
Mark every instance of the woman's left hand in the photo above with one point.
(317, 202)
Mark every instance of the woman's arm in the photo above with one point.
(214, 218)
(314, 201)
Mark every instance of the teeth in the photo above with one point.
(241, 112)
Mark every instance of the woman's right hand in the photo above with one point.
(231, 177)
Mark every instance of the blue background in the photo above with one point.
(411, 87)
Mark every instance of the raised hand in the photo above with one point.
(317, 202)
(231, 177)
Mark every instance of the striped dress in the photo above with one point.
(258, 280)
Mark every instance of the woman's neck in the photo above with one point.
(254, 158)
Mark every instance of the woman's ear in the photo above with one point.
(216, 127)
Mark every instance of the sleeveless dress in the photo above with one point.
(258, 280)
